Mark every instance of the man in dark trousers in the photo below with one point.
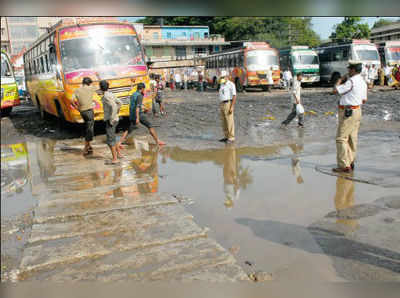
(83, 102)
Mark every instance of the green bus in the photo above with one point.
(300, 59)
(9, 89)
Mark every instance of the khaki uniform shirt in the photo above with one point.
(84, 95)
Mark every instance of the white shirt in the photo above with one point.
(227, 91)
(177, 78)
(296, 90)
(270, 80)
(372, 73)
(388, 71)
(353, 91)
(287, 75)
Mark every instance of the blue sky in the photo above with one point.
(322, 25)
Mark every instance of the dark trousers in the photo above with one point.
(292, 115)
(88, 117)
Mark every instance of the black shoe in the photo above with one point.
(223, 140)
(352, 166)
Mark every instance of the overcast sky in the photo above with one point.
(322, 25)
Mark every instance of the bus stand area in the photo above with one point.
(262, 206)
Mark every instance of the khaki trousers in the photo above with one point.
(347, 137)
(228, 124)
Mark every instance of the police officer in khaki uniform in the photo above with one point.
(353, 92)
(227, 100)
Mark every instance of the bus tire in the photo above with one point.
(265, 88)
(6, 112)
(335, 78)
(43, 114)
(62, 123)
(239, 86)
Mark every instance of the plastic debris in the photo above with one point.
(329, 113)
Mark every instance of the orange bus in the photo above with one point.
(247, 65)
(99, 48)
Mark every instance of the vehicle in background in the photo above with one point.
(247, 65)
(20, 79)
(9, 89)
(389, 52)
(334, 57)
(300, 59)
(101, 48)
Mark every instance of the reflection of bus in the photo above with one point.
(9, 90)
(389, 52)
(14, 167)
(99, 48)
(300, 59)
(247, 65)
(334, 57)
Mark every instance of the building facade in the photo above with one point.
(166, 43)
(21, 32)
(385, 33)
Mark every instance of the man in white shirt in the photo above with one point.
(227, 99)
(178, 80)
(287, 77)
(388, 73)
(372, 73)
(353, 94)
(295, 96)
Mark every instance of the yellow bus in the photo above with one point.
(9, 89)
(99, 48)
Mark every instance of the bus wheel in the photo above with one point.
(62, 123)
(6, 112)
(239, 86)
(265, 87)
(43, 114)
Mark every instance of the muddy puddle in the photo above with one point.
(267, 205)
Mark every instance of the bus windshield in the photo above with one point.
(393, 54)
(305, 59)
(261, 59)
(5, 67)
(367, 53)
(90, 53)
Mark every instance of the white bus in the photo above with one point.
(390, 52)
(334, 58)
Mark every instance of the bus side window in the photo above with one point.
(241, 58)
(41, 65)
(47, 63)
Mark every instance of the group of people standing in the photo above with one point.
(83, 101)
(353, 92)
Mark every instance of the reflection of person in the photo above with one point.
(111, 106)
(147, 164)
(227, 98)
(295, 95)
(353, 93)
(344, 199)
(83, 101)
(231, 180)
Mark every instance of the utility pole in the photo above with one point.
(8, 33)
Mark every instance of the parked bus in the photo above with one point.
(389, 52)
(99, 48)
(247, 65)
(9, 89)
(301, 59)
(334, 57)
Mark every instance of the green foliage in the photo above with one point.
(278, 31)
(351, 28)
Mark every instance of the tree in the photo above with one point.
(351, 28)
(382, 22)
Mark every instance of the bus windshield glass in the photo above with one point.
(367, 53)
(90, 53)
(261, 59)
(305, 59)
(393, 54)
(5, 67)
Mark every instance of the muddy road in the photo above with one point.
(262, 198)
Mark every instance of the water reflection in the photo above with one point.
(297, 148)
(14, 168)
(344, 199)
